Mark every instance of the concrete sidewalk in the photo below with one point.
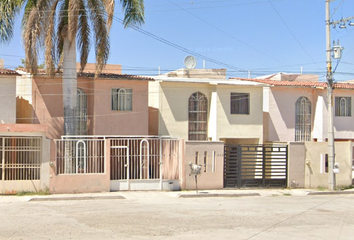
(183, 194)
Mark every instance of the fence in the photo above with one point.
(20, 158)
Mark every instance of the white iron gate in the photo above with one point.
(20, 164)
(143, 163)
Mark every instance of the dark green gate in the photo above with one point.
(255, 166)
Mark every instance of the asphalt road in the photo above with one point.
(160, 215)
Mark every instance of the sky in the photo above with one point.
(247, 37)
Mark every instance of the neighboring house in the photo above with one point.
(295, 110)
(112, 104)
(200, 104)
(23, 147)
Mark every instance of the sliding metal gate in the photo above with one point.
(255, 166)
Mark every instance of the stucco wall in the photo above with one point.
(108, 122)
(315, 175)
(8, 99)
(239, 125)
(281, 122)
(208, 179)
(79, 183)
(296, 164)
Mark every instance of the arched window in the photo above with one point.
(343, 107)
(82, 112)
(197, 117)
(303, 120)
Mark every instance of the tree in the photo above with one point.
(59, 26)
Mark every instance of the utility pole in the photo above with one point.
(329, 77)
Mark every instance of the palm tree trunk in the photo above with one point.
(69, 86)
(69, 82)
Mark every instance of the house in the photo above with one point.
(201, 104)
(23, 147)
(295, 112)
(112, 104)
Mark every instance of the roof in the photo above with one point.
(42, 72)
(206, 80)
(8, 72)
(297, 83)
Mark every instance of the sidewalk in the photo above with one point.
(186, 194)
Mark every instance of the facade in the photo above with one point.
(296, 112)
(23, 147)
(112, 104)
(200, 104)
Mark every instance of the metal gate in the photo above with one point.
(20, 163)
(255, 166)
(143, 163)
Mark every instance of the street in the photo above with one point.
(161, 215)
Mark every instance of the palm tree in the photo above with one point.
(59, 26)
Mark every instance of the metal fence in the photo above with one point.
(80, 156)
(141, 158)
(20, 158)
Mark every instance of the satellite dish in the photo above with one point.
(190, 62)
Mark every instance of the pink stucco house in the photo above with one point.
(112, 104)
(295, 112)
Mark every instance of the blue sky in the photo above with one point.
(260, 36)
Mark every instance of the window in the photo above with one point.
(82, 112)
(302, 119)
(122, 99)
(240, 103)
(343, 106)
(197, 117)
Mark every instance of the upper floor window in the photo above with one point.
(303, 119)
(343, 106)
(240, 103)
(197, 117)
(122, 99)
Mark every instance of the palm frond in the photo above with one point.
(134, 13)
(50, 40)
(73, 16)
(83, 36)
(109, 6)
(8, 11)
(97, 14)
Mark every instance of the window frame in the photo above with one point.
(122, 99)
(343, 106)
(237, 100)
(198, 117)
(303, 119)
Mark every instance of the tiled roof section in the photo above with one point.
(102, 75)
(8, 72)
(298, 83)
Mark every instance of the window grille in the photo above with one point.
(82, 112)
(240, 103)
(197, 117)
(343, 106)
(303, 120)
(122, 99)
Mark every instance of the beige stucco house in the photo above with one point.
(201, 104)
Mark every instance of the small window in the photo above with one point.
(122, 99)
(240, 103)
(343, 106)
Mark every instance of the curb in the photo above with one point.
(44, 199)
(203, 195)
(331, 193)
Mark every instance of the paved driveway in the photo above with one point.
(161, 215)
